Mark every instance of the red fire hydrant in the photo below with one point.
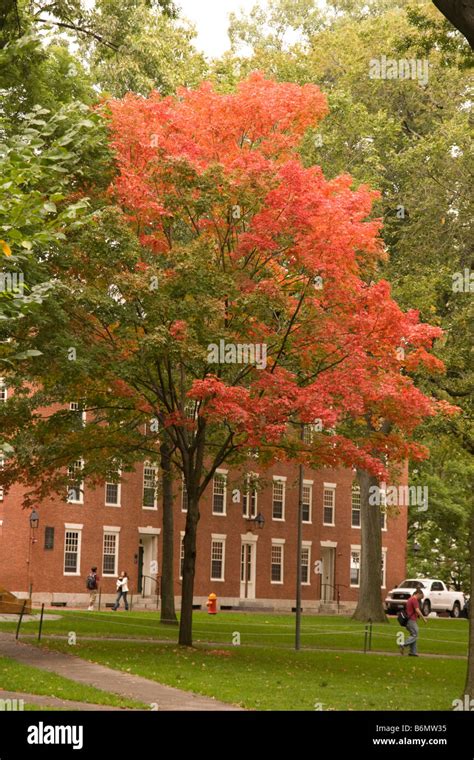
(212, 604)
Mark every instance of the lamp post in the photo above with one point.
(34, 522)
(299, 545)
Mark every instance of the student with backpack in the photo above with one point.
(408, 618)
(92, 584)
(122, 589)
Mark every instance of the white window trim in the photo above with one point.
(2, 465)
(385, 523)
(119, 492)
(181, 537)
(307, 545)
(330, 487)
(278, 542)
(78, 530)
(384, 574)
(4, 387)
(355, 527)
(282, 479)
(221, 538)
(110, 530)
(223, 473)
(309, 483)
(154, 466)
(354, 548)
(249, 477)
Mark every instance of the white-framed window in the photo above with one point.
(307, 501)
(181, 554)
(3, 391)
(72, 551)
(355, 567)
(383, 518)
(355, 497)
(217, 557)
(75, 491)
(78, 408)
(310, 430)
(2, 465)
(150, 500)
(250, 495)
(110, 553)
(184, 495)
(278, 497)
(277, 558)
(306, 563)
(384, 567)
(329, 504)
(219, 493)
(113, 492)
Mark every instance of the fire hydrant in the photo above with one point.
(212, 604)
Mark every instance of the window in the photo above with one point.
(78, 409)
(278, 498)
(355, 567)
(383, 519)
(110, 558)
(437, 586)
(149, 486)
(307, 500)
(219, 492)
(356, 506)
(329, 500)
(184, 496)
(2, 465)
(3, 391)
(75, 493)
(277, 563)
(217, 559)
(249, 498)
(181, 555)
(112, 493)
(72, 552)
(310, 430)
(384, 567)
(305, 564)
(49, 538)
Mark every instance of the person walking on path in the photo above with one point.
(122, 588)
(92, 584)
(413, 611)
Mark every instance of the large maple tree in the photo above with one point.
(216, 231)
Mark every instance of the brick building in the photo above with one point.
(119, 526)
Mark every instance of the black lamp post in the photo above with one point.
(34, 522)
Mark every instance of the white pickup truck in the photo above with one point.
(437, 597)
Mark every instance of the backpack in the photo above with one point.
(91, 582)
(403, 618)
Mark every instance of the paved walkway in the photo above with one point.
(127, 685)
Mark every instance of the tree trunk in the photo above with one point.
(369, 605)
(189, 566)
(461, 14)
(168, 612)
(469, 688)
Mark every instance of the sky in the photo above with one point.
(211, 20)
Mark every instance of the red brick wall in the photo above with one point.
(46, 568)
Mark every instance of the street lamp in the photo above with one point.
(34, 522)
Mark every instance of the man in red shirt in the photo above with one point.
(413, 611)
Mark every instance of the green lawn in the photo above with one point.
(439, 636)
(270, 678)
(17, 677)
(264, 672)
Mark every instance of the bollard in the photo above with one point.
(41, 622)
(20, 618)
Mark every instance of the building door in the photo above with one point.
(141, 554)
(328, 554)
(247, 570)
